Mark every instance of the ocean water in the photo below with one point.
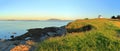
(8, 28)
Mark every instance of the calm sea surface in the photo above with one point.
(7, 28)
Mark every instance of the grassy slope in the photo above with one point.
(104, 37)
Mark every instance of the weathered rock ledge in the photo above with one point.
(39, 34)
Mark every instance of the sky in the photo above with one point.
(60, 9)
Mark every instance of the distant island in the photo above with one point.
(57, 20)
(54, 19)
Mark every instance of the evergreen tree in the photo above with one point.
(113, 17)
(118, 17)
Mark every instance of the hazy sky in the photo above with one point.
(63, 9)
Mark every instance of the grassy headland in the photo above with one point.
(86, 35)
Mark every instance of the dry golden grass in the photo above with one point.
(30, 42)
(21, 48)
(116, 23)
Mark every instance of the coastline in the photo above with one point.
(28, 39)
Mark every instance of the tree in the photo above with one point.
(86, 18)
(113, 17)
(118, 16)
(100, 16)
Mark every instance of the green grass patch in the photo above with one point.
(103, 37)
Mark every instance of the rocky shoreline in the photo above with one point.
(29, 38)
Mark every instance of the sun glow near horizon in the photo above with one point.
(36, 18)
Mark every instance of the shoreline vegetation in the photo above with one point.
(80, 35)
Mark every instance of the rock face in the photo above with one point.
(81, 29)
(39, 34)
